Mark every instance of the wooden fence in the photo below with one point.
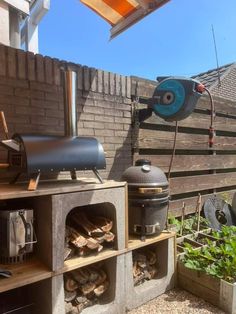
(196, 168)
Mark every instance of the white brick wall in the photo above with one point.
(4, 24)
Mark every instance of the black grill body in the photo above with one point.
(45, 153)
(148, 196)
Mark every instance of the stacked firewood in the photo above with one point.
(84, 287)
(144, 265)
(86, 234)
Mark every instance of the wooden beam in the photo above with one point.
(200, 183)
(184, 163)
(156, 139)
(175, 208)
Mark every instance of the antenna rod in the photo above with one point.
(214, 39)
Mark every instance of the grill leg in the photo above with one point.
(97, 175)
(33, 184)
(13, 181)
(73, 175)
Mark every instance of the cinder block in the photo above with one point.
(43, 297)
(107, 202)
(138, 295)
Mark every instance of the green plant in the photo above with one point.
(174, 221)
(189, 224)
(217, 259)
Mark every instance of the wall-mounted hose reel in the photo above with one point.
(174, 99)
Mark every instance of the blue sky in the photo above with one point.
(174, 40)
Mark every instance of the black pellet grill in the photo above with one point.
(36, 154)
(148, 195)
(47, 154)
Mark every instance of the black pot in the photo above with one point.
(148, 195)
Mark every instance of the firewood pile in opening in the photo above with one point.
(144, 265)
(83, 287)
(87, 234)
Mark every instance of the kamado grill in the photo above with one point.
(37, 154)
(148, 191)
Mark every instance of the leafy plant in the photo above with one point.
(217, 259)
(189, 224)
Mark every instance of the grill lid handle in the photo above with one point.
(150, 190)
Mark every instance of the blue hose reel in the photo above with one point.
(174, 98)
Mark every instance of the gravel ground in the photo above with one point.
(177, 301)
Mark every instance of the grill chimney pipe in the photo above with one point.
(70, 109)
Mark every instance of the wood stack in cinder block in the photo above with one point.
(84, 287)
(144, 265)
(86, 234)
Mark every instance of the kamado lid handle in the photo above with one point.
(142, 162)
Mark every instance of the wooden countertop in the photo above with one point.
(19, 190)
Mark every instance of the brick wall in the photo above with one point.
(227, 89)
(32, 98)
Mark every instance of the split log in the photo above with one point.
(84, 251)
(101, 277)
(70, 309)
(81, 276)
(93, 244)
(76, 238)
(139, 279)
(85, 304)
(109, 236)
(151, 257)
(144, 267)
(69, 283)
(80, 299)
(70, 295)
(81, 219)
(136, 269)
(102, 222)
(67, 252)
(152, 271)
(100, 239)
(101, 288)
(93, 274)
(87, 288)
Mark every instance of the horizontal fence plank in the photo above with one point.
(157, 139)
(221, 105)
(195, 121)
(199, 183)
(191, 162)
(175, 208)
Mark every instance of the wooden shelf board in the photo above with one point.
(78, 262)
(11, 191)
(23, 274)
(135, 242)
